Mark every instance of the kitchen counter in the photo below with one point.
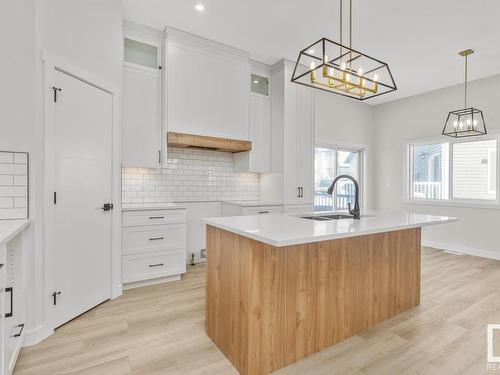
(285, 230)
(293, 287)
(11, 228)
(253, 203)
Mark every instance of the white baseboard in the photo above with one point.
(462, 249)
(160, 280)
(36, 335)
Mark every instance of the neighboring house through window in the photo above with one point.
(460, 170)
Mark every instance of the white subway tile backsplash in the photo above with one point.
(6, 157)
(13, 185)
(189, 174)
(6, 180)
(13, 213)
(12, 191)
(6, 202)
(12, 169)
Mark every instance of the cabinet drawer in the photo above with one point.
(152, 265)
(153, 238)
(261, 210)
(153, 217)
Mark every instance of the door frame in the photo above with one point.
(51, 63)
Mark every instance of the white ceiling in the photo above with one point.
(418, 39)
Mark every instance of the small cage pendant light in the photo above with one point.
(466, 122)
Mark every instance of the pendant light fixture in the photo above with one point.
(466, 122)
(339, 69)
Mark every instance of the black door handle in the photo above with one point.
(21, 331)
(54, 296)
(107, 207)
(11, 291)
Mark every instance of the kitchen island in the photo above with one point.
(282, 287)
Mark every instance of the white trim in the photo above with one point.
(36, 335)
(52, 62)
(188, 40)
(462, 249)
(142, 283)
(454, 203)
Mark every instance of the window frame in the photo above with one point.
(341, 146)
(451, 201)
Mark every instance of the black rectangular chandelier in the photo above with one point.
(333, 67)
(465, 122)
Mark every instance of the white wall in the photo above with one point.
(423, 116)
(88, 35)
(347, 122)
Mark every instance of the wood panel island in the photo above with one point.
(281, 287)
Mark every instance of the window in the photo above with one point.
(460, 171)
(140, 53)
(331, 162)
(259, 84)
(430, 173)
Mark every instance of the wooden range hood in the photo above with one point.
(208, 143)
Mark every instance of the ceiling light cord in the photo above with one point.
(341, 26)
(465, 94)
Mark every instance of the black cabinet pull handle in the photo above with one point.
(156, 265)
(299, 192)
(157, 217)
(11, 291)
(264, 212)
(156, 238)
(21, 331)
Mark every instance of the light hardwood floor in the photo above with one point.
(160, 330)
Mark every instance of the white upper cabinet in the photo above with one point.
(293, 135)
(207, 87)
(259, 158)
(142, 99)
(141, 118)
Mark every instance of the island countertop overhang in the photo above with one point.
(286, 230)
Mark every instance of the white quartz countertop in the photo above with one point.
(286, 229)
(151, 206)
(253, 203)
(11, 228)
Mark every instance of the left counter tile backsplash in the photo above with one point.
(190, 175)
(14, 185)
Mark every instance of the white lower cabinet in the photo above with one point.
(153, 244)
(298, 208)
(231, 209)
(13, 304)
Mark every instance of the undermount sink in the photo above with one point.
(327, 217)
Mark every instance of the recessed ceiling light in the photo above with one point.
(255, 81)
(199, 7)
(311, 51)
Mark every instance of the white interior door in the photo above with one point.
(81, 258)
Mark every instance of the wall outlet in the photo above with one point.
(203, 253)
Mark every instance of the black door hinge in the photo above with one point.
(55, 89)
(54, 296)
